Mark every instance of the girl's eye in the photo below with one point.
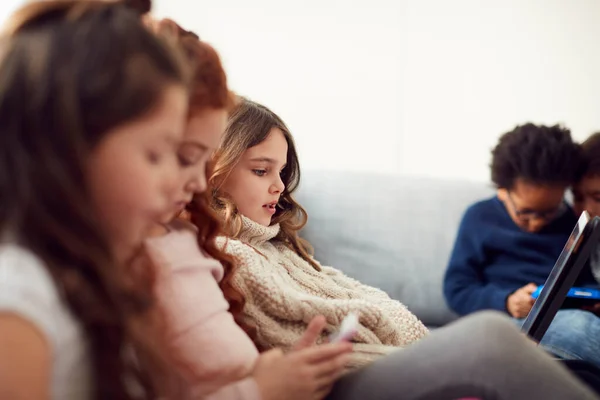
(259, 172)
(153, 157)
(189, 155)
(185, 161)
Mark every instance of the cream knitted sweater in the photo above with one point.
(283, 293)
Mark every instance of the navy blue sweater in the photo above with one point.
(493, 257)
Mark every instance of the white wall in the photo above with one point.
(473, 72)
(331, 69)
(404, 85)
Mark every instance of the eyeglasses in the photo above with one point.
(528, 215)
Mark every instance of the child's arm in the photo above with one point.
(30, 311)
(24, 360)
(348, 282)
(464, 288)
(272, 298)
(203, 332)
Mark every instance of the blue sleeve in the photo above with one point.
(464, 288)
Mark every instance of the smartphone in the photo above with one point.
(347, 330)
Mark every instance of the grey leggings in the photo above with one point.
(482, 356)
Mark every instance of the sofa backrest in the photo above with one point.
(392, 232)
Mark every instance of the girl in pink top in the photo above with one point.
(222, 361)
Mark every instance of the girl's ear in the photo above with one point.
(502, 194)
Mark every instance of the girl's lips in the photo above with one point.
(270, 208)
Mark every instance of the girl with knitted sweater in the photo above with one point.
(256, 173)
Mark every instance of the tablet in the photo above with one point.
(577, 297)
(577, 250)
(575, 292)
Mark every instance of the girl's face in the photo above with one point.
(134, 171)
(255, 183)
(202, 137)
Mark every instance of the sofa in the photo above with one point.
(393, 232)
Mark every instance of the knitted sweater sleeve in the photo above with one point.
(274, 299)
(405, 320)
(264, 285)
(346, 281)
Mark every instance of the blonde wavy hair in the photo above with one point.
(249, 125)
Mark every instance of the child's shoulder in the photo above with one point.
(233, 246)
(27, 289)
(21, 269)
(246, 256)
(226, 243)
(481, 210)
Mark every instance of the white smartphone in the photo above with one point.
(348, 328)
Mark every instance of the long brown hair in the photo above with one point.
(208, 90)
(249, 125)
(70, 72)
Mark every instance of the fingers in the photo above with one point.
(325, 382)
(525, 301)
(525, 309)
(322, 392)
(330, 369)
(530, 288)
(317, 354)
(311, 334)
(521, 305)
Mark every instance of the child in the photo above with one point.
(256, 172)
(507, 245)
(92, 110)
(222, 361)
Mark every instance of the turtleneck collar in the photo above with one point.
(256, 234)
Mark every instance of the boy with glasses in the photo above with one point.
(507, 245)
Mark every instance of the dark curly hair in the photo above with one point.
(543, 155)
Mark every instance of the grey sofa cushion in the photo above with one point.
(389, 231)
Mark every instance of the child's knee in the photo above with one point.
(490, 323)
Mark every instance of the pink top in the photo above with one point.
(203, 330)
